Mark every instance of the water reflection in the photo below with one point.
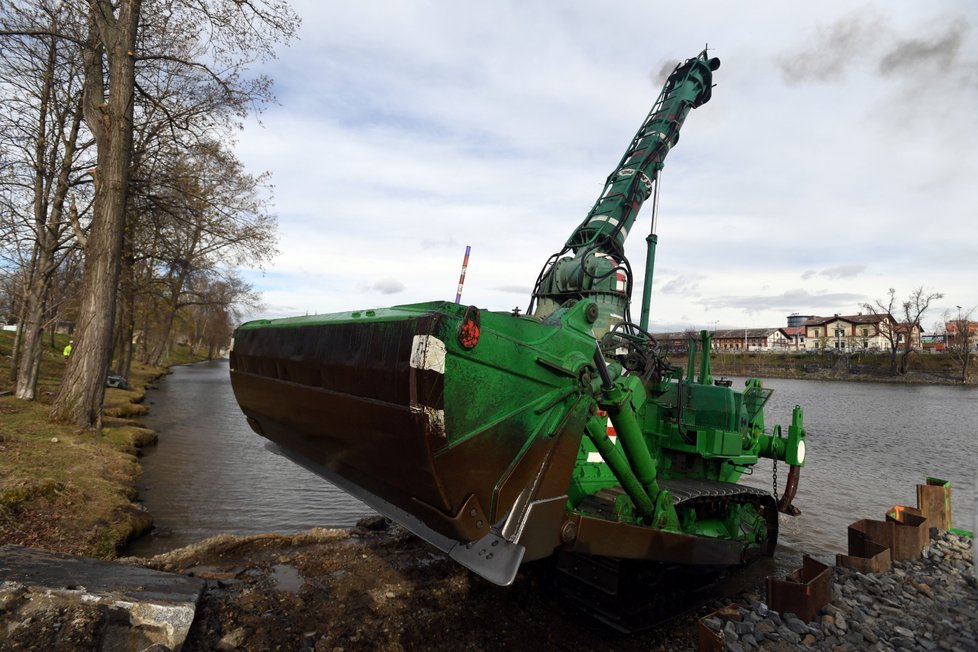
(210, 474)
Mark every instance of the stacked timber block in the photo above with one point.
(875, 545)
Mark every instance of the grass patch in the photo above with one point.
(68, 489)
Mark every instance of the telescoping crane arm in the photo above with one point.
(596, 267)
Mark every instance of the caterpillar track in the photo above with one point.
(634, 595)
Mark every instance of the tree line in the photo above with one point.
(123, 210)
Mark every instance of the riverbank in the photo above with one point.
(66, 489)
(376, 587)
(923, 368)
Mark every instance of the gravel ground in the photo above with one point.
(930, 603)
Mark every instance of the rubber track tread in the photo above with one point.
(633, 595)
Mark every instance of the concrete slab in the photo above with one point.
(155, 607)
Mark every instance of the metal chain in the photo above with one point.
(775, 478)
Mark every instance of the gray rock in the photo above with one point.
(903, 631)
(713, 623)
(927, 644)
(830, 608)
(730, 631)
(744, 627)
(840, 622)
(796, 625)
(765, 627)
(788, 635)
(902, 643)
(867, 632)
(135, 607)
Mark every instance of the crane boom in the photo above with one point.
(597, 265)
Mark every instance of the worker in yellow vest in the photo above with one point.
(67, 350)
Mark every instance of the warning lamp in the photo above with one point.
(469, 330)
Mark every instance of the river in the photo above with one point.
(210, 474)
(868, 446)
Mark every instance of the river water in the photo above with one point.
(868, 446)
(211, 474)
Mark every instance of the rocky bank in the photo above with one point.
(930, 603)
(378, 587)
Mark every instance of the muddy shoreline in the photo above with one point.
(377, 587)
(381, 588)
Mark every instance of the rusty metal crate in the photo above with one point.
(804, 591)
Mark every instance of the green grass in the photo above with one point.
(68, 489)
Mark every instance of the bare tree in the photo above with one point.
(220, 301)
(960, 337)
(216, 218)
(107, 104)
(884, 308)
(120, 39)
(913, 314)
(41, 126)
(900, 336)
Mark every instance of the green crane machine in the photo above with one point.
(564, 433)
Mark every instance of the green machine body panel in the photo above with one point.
(503, 437)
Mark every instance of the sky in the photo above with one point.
(836, 159)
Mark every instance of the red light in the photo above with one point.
(469, 331)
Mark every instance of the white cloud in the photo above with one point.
(388, 286)
(407, 131)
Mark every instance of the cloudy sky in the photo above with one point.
(836, 159)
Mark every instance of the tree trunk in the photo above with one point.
(29, 366)
(965, 351)
(123, 348)
(904, 361)
(17, 345)
(176, 285)
(163, 343)
(126, 316)
(82, 390)
(19, 334)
